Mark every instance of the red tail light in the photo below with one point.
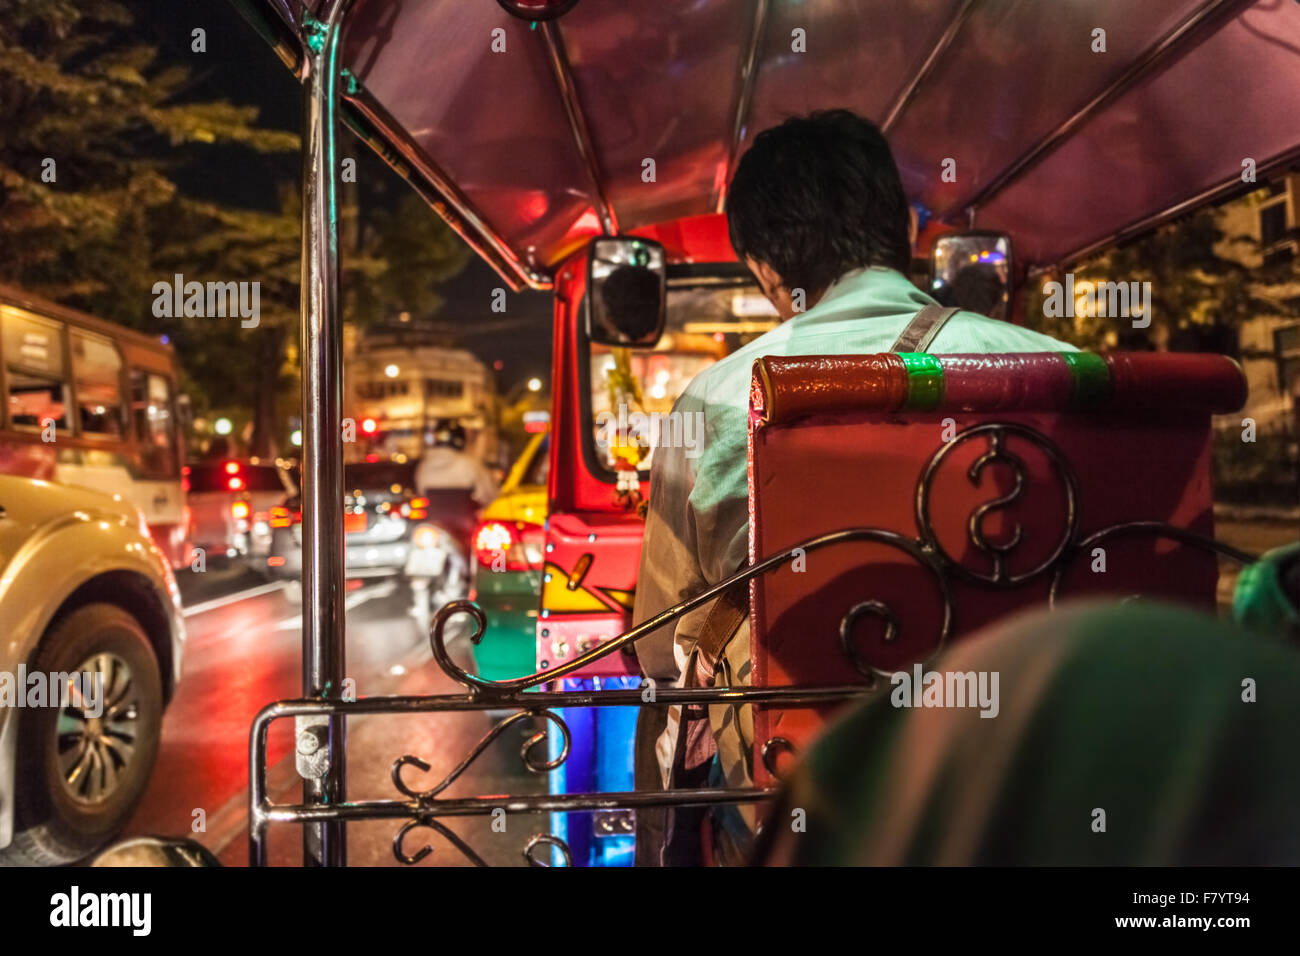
(232, 467)
(508, 545)
(282, 517)
(234, 484)
(239, 510)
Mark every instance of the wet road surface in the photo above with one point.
(243, 651)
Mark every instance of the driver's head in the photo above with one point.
(814, 198)
(632, 293)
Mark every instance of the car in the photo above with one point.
(508, 560)
(230, 501)
(72, 774)
(388, 532)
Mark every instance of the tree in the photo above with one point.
(92, 130)
(102, 133)
(1204, 284)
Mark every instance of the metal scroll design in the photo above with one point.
(997, 433)
(427, 808)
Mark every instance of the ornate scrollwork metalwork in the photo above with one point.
(1158, 528)
(502, 690)
(484, 742)
(772, 750)
(429, 823)
(547, 839)
(878, 609)
(423, 807)
(997, 552)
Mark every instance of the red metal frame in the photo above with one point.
(584, 515)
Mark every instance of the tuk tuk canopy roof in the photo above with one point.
(530, 150)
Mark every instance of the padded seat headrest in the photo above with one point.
(785, 389)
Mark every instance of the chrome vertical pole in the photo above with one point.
(323, 650)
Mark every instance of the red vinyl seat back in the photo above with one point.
(989, 480)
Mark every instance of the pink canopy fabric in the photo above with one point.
(539, 136)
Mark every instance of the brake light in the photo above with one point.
(425, 536)
(508, 545)
(232, 467)
(234, 484)
(416, 509)
(282, 517)
(239, 510)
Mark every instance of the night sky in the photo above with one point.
(239, 67)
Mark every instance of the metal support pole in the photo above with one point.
(323, 638)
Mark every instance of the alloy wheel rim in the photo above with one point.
(95, 749)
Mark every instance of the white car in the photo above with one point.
(90, 615)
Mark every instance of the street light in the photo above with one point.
(392, 371)
(222, 426)
(534, 385)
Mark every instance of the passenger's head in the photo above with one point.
(814, 198)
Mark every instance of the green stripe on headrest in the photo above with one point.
(1090, 379)
(924, 381)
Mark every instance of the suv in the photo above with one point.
(230, 502)
(83, 591)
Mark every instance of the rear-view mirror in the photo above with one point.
(972, 270)
(626, 291)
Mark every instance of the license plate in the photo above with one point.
(353, 523)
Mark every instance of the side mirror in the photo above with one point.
(972, 270)
(156, 851)
(626, 291)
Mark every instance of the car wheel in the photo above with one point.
(80, 774)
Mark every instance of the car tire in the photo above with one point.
(57, 821)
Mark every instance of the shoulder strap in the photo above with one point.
(731, 607)
(725, 614)
(920, 332)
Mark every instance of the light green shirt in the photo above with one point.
(697, 527)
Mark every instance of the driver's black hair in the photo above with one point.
(632, 293)
(818, 196)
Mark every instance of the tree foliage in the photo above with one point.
(116, 211)
(1204, 281)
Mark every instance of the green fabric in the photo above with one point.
(924, 381)
(1259, 602)
(1136, 709)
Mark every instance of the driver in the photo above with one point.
(455, 482)
(817, 212)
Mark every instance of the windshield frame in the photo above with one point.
(681, 276)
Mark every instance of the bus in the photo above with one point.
(93, 404)
(400, 385)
